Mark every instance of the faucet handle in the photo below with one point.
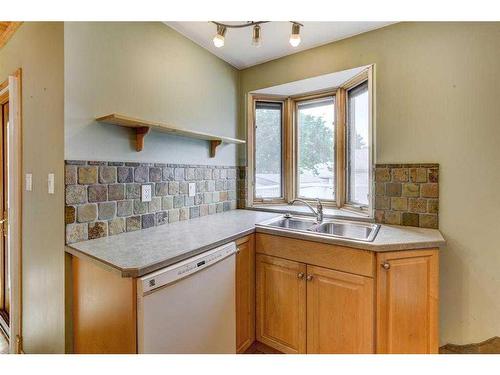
(319, 204)
(319, 209)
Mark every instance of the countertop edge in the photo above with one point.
(139, 272)
(369, 246)
(82, 255)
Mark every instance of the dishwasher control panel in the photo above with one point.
(187, 267)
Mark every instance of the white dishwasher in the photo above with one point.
(189, 307)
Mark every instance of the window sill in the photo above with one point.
(331, 213)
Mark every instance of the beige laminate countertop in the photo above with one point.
(135, 254)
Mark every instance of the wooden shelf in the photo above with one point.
(142, 127)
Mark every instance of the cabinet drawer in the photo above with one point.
(360, 262)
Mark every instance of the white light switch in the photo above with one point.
(29, 182)
(146, 193)
(192, 189)
(50, 181)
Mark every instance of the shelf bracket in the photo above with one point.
(213, 147)
(140, 133)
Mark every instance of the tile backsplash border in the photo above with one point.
(103, 198)
(407, 194)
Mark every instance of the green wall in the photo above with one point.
(145, 70)
(38, 49)
(437, 100)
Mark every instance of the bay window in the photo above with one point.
(311, 146)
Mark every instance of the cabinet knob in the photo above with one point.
(309, 277)
(386, 265)
(300, 275)
(238, 250)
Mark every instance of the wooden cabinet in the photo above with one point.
(320, 298)
(340, 314)
(407, 302)
(281, 304)
(310, 309)
(104, 310)
(245, 293)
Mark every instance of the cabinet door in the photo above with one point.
(245, 293)
(407, 302)
(340, 313)
(281, 304)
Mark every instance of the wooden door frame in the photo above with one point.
(12, 86)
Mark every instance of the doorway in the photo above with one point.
(4, 183)
(10, 211)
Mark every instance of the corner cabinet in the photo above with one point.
(319, 298)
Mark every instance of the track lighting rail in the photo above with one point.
(247, 24)
(219, 38)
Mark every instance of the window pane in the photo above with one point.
(268, 164)
(358, 146)
(316, 150)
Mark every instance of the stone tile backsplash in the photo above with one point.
(104, 198)
(407, 194)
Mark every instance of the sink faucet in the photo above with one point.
(319, 208)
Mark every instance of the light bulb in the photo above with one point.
(219, 41)
(219, 37)
(294, 40)
(295, 37)
(256, 40)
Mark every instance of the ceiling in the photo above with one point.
(314, 84)
(7, 29)
(239, 52)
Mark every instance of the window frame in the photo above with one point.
(252, 135)
(290, 146)
(365, 76)
(348, 202)
(296, 102)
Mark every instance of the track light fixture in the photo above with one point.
(256, 41)
(295, 37)
(219, 38)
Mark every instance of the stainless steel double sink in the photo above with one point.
(351, 230)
